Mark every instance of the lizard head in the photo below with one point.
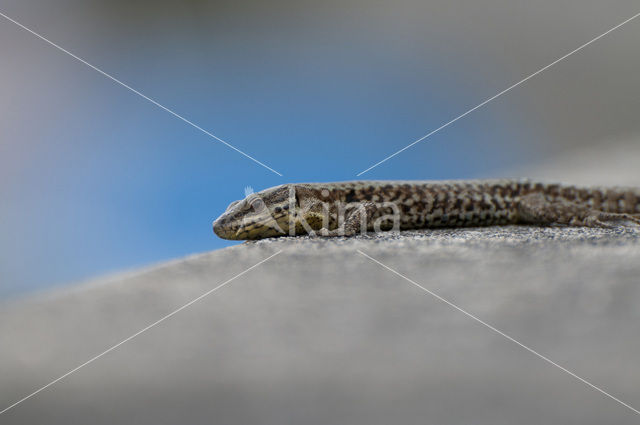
(260, 215)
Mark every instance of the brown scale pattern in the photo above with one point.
(465, 203)
(433, 204)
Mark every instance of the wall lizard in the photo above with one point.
(348, 208)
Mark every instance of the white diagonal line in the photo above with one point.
(91, 360)
(499, 332)
(114, 79)
(501, 93)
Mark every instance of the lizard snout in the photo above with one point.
(222, 229)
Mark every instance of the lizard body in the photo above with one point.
(348, 208)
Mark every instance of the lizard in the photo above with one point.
(350, 208)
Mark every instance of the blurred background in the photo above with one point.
(95, 179)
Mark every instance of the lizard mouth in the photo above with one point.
(269, 226)
(265, 227)
(222, 230)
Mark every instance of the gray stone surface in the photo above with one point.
(320, 334)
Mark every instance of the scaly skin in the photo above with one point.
(348, 208)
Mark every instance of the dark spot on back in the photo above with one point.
(350, 195)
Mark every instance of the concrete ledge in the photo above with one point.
(321, 334)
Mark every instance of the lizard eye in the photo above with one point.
(257, 204)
